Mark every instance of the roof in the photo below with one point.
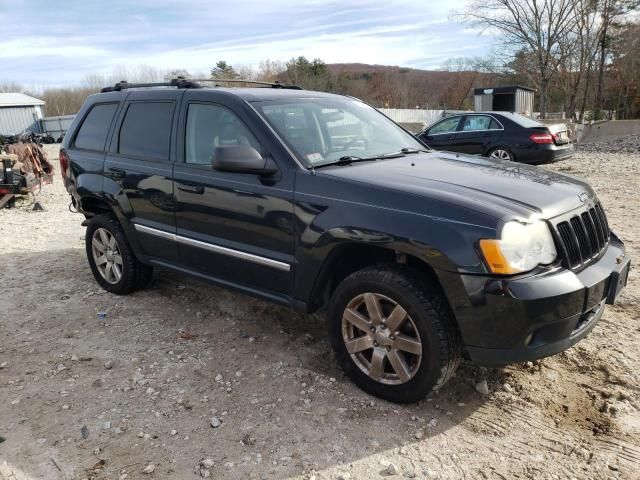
(502, 89)
(18, 100)
(248, 94)
(258, 94)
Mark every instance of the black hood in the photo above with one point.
(494, 187)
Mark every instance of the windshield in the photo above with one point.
(322, 131)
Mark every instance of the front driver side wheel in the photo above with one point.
(393, 333)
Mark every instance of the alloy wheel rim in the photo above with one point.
(106, 255)
(381, 338)
(500, 154)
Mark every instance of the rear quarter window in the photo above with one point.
(93, 132)
(146, 130)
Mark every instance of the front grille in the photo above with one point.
(584, 236)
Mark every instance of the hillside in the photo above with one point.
(409, 87)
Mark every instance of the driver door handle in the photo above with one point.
(191, 188)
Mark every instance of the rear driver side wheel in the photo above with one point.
(112, 261)
(501, 153)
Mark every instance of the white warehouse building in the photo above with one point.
(20, 113)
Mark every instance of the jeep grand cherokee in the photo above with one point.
(319, 202)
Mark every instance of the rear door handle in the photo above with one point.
(191, 188)
(117, 173)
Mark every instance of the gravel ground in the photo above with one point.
(624, 144)
(185, 380)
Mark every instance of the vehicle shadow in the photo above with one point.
(182, 352)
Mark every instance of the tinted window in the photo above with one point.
(211, 126)
(93, 132)
(146, 130)
(448, 125)
(479, 122)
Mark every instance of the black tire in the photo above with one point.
(134, 274)
(429, 312)
(511, 157)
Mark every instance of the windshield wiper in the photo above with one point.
(349, 159)
(406, 150)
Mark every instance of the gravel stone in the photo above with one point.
(624, 144)
(482, 387)
(391, 470)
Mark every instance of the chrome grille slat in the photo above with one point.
(583, 236)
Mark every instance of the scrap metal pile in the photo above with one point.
(28, 137)
(24, 169)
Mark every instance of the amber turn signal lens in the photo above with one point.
(495, 259)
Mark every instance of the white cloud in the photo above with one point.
(85, 37)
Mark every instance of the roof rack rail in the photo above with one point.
(275, 84)
(178, 82)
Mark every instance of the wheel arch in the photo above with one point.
(91, 204)
(348, 257)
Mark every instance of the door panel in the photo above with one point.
(139, 163)
(474, 142)
(476, 133)
(234, 226)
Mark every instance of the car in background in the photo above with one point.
(500, 135)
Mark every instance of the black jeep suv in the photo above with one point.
(320, 202)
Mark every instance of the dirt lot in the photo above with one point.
(82, 397)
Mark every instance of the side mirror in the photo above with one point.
(242, 159)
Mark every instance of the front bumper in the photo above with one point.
(514, 320)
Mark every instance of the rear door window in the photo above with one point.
(146, 130)
(479, 122)
(445, 126)
(95, 128)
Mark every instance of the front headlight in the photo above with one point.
(522, 247)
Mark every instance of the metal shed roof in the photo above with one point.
(18, 100)
(503, 89)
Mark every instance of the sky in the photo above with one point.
(57, 43)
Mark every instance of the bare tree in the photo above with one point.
(577, 53)
(466, 71)
(10, 87)
(610, 11)
(536, 26)
(270, 71)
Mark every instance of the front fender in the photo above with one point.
(444, 245)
